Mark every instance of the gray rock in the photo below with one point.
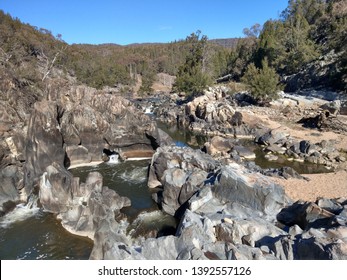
(172, 181)
(333, 107)
(271, 137)
(218, 145)
(244, 152)
(9, 194)
(195, 231)
(55, 193)
(180, 172)
(245, 252)
(284, 172)
(193, 183)
(282, 247)
(330, 205)
(216, 251)
(318, 249)
(121, 251)
(44, 143)
(77, 154)
(85, 206)
(295, 148)
(304, 146)
(236, 184)
(295, 230)
(343, 108)
(247, 231)
(191, 254)
(162, 248)
(200, 198)
(304, 214)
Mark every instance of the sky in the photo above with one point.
(142, 21)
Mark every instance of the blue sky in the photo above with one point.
(130, 21)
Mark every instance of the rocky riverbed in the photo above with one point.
(226, 207)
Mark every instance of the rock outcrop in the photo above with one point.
(78, 126)
(95, 120)
(228, 212)
(277, 141)
(322, 72)
(213, 113)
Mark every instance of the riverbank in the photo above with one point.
(327, 185)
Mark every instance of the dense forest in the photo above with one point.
(309, 34)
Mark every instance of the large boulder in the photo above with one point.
(179, 172)
(211, 113)
(87, 205)
(237, 184)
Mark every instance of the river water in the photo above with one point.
(29, 233)
(32, 234)
(185, 137)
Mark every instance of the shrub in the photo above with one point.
(262, 83)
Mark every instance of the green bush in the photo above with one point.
(191, 77)
(262, 83)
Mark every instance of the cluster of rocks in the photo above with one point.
(228, 150)
(232, 116)
(228, 212)
(170, 110)
(75, 128)
(71, 126)
(278, 141)
(212, 113)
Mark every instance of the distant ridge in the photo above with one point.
(227, 42)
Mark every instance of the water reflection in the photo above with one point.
(185, 137)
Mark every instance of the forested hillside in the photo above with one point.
(306, 46)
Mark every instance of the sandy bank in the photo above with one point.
(328, 185)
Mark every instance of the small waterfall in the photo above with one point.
(21, 212)
(149, 110)
(113, 159)
(32, 202)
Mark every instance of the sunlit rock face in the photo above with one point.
(76, 127)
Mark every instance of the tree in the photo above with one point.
(301, 49)
(191, 77)
(271, 46)
(254, 31)
(262, 83)
(147, 73)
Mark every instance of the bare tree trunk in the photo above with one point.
(4, 57)
(50, 64)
